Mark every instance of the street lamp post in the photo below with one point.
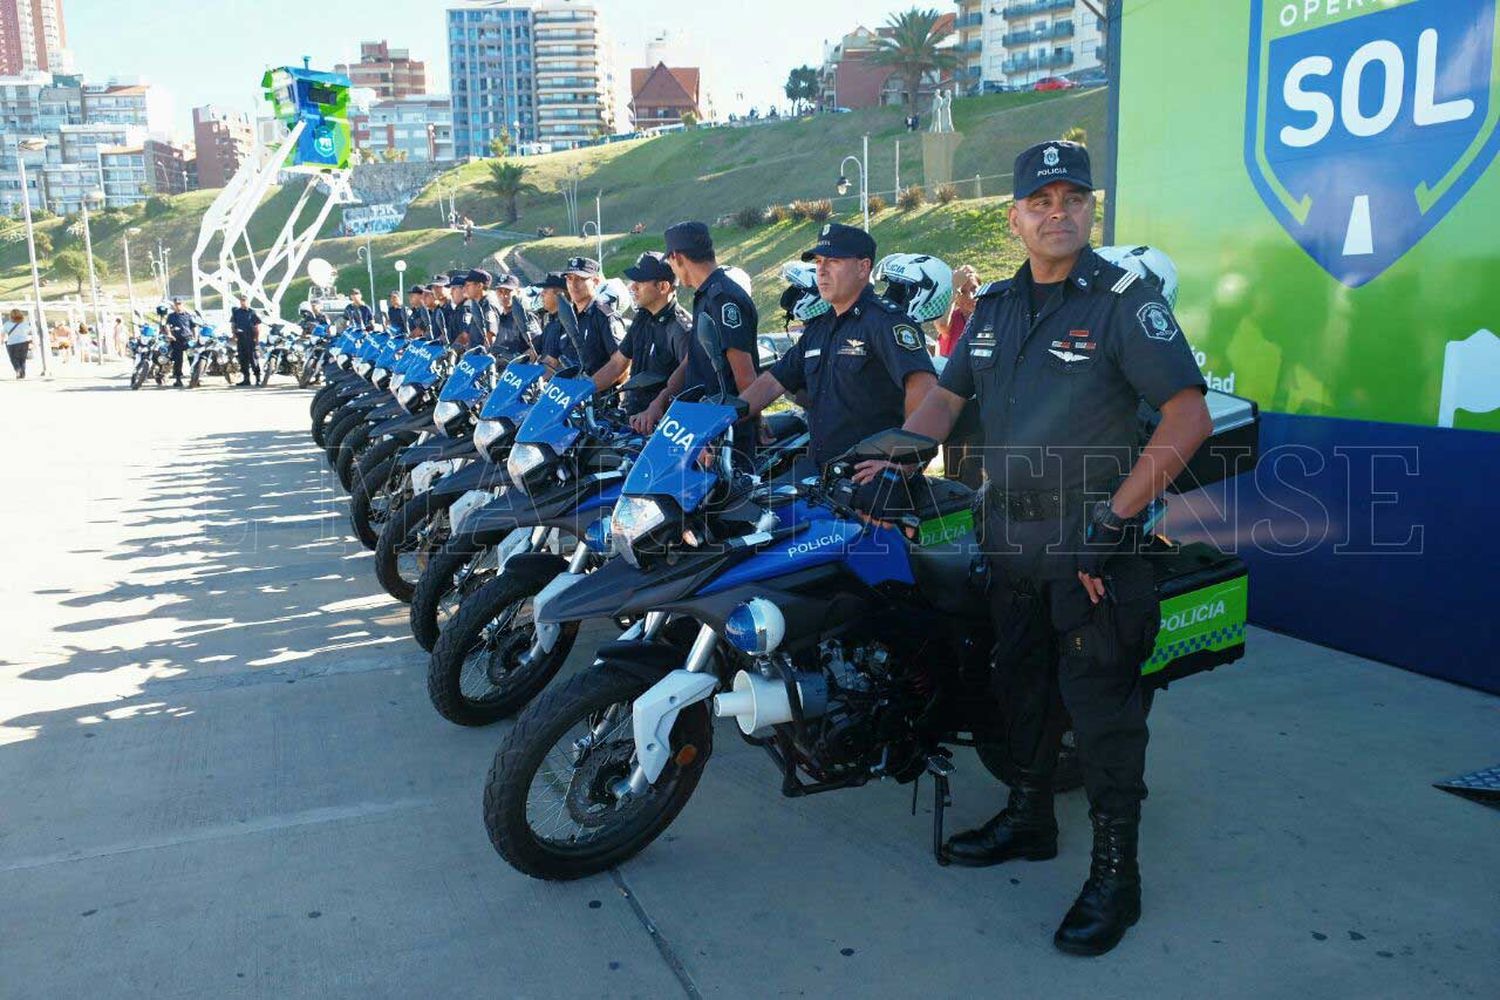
(401, 282)
(129, 284)
(88, 251)
(863, 163)
(368, 254)
(36, 279)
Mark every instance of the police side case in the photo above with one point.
(1204, 595)
(1233, 448)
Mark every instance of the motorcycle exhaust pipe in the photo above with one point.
(757, 702)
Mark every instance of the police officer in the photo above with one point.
(454, 308)
(395, 313)
(426, 318)
(556, 349)
(718, 302)
(357, 314)
(180, 325)
(862, 366)
(1057, 359)
(656, 341)
(246, 326)
(413, 307)
(598, 333)
(477, 317)
(516, 329)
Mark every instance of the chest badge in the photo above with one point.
(852, 348)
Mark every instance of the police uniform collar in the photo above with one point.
(1085, 268)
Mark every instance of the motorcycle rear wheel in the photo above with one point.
(197, 376)
(548, 807)
(440, 592)
(369, 504)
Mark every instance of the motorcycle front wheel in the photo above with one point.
(138, 377)
(197, 377)
(550, 802)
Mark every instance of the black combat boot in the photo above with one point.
(1026, 828)
(1110, 902)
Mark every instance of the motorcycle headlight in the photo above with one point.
(445, 413)
(524, 459)
(407, 393)
(755, 628)
(396, 380)
(634, 519)
(362, 368)
(490, 433)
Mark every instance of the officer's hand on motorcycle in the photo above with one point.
(645, 421)
(867, 470)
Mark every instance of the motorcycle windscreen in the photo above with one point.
(507, 401)
(370, 348)
(417, 364)
(389, 353)
(463, 385)
(547, 423)
(668, 465)
(874, 555)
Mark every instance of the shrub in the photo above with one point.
(157, 204)
(820, 210)
(945, 193)
(1077, 134)
(749, 217)
(778, 213)
(877, 204)
(911, 197)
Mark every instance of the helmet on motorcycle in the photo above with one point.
(1148, 263)
(919, 284)
(801, 299)
(616, 295)
(739, 276)
(161, 310)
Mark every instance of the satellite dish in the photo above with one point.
(321, 273)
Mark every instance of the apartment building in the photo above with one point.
(391, 73)
(1013, 45)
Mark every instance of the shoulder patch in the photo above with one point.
(1157, 321)
(994, 288)
(730, 315)
(908, 337)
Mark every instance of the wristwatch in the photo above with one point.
(1105, 517)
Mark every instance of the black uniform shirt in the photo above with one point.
(434, 321)
(242, 319)
(478, 319)
(359, 316)
(1058, 394)
(599, 333)
(181, 325)
(854, 368)
(556, 343)
(452, 319)
(396, 317)
(516, 330)
(724, 304)
(655, 343)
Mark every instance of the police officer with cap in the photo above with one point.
(656, 341)
(478, 317)
(861, 367)
(451, 296)
(357, 314)
(1057, 358)
(395, 313)
(556, 349)
(717, 302)
(180, 325)
(245, 324)
(598, 330)
(516, 330)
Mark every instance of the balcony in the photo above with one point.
(1061, 59)
(1060, 30)
(971, 47)
(973, 20)
(1035, 7)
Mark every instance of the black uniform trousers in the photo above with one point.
(1059, 656)
(244, 344)
(178, 350)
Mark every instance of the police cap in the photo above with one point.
(1047, 162)
(650, 266)
(839, 240)
(691, 238)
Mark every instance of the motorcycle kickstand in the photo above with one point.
(940, 766)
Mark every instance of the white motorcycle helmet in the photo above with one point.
(801, 299)
(739, 276)
(616, 294)
(1148, 263)
(919, 283)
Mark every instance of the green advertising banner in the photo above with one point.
(1323, 174)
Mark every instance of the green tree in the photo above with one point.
(43, 243)
(393, 155)
(500, 145)
(507, 181)
(72, 265)
(802, 87)
(689, 120)
(910, 47)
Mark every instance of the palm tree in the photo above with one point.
(507, 181)
(909, 44)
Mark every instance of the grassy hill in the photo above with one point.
(702, 173)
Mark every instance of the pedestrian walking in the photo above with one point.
(17, 333)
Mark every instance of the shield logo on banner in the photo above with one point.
(1367, 123)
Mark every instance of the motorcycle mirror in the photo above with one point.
(567, 316)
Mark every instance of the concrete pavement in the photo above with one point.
(220, 776)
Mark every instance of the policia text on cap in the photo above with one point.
(1057, 359)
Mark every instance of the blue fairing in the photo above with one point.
(547, 422)
(874, 555)
(605, 498)
(668, 465)
(370, 348)
(417, 363)
(390, 352)
(463, 385)
(507, 401)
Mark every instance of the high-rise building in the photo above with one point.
(421, 127)
(223, 140)
(537, 68)
(391, 73)
(1025, 40)
(33, 38)
(170, 168)
(968, 78)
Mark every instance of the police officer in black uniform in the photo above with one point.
(516, 329)
(395, 313)
(357, 314)
(477, 317)
(442, 303)
(246, 326)
(598, 329)
(180, 325)
(656, 341)
(718, 302)
(861, 367)
(556, 349)
(1057, 359)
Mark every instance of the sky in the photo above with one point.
(214, 52)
